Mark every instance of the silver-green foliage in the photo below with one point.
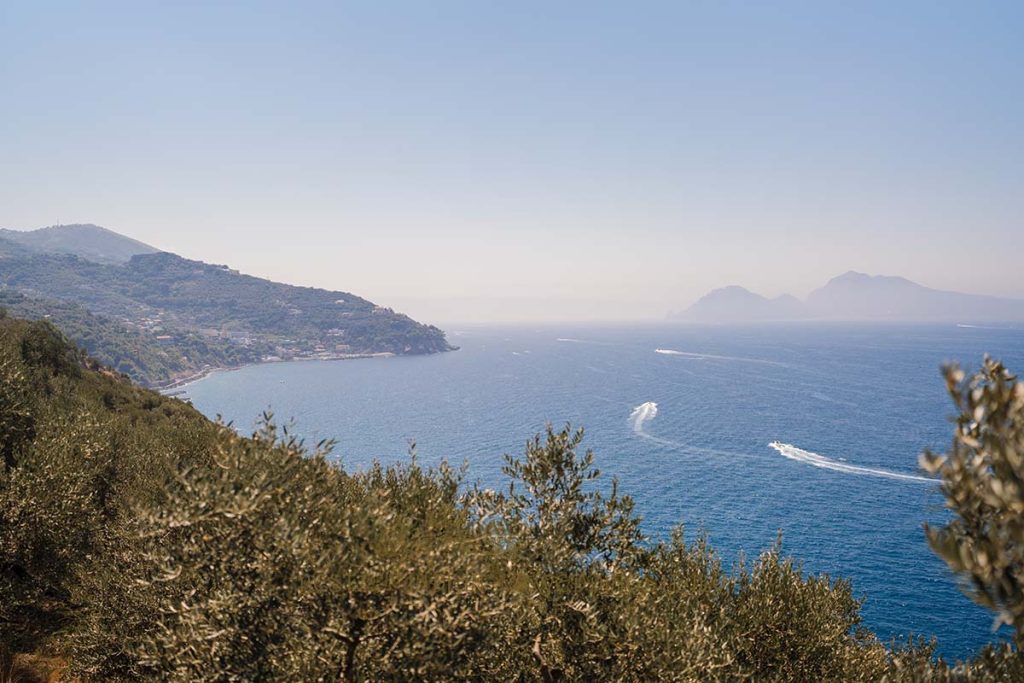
(276, 565)
(140, 541)
(983, 481)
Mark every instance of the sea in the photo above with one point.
(808, 430)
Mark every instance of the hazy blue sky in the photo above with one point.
(528, 160)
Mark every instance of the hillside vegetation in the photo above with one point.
(85, 240)
(138, 540)
(176, 292)
(162, 317)
(128, 350)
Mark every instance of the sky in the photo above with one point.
(465, 161)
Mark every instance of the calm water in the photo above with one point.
(852, 404)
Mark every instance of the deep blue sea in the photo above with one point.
(683, 416)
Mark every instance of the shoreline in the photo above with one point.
(178, 386)
(175, 387)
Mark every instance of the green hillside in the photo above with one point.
(159, 317)
(140, 541)
(166, 290)
(128, 350)
(85, 240)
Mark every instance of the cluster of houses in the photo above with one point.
(331, 347)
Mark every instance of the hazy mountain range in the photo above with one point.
(854, 296)
(159, 317)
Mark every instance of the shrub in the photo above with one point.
(140, 541)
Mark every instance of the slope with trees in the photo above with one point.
(138, 540)
(85, 240)
(188, 314)
(129, 350)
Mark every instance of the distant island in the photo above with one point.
(854, 296)
(162, 319)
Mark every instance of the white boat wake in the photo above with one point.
(807, 457)
(709, 356)
(641, 415)
(645, 412)
(984, 327)
(573, 340)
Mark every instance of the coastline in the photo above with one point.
(178, 386)
(175, 387)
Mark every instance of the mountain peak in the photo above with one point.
(851, 276)
(731, 291)
(855, 296)
(737, 304)
(85, 240)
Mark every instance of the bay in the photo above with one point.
(684, 417)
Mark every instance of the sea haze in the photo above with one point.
(811, 429)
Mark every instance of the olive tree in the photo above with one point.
(983, 482)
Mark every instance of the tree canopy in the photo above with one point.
(139, 540)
